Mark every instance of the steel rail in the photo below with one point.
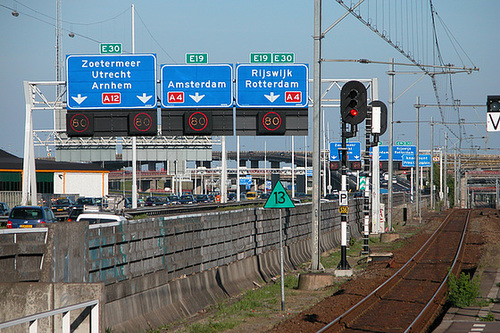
(443, 283)
(372, 294)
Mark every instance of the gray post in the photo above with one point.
(316, 127)
(282, 266)
(391, 138)
(432, 164)
(417, 157)
(446, 199)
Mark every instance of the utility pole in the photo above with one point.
(391, 138)
(432, 164)
(316, 126)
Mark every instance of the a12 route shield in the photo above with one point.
(197, 86)
(274, 86)
(111, 81)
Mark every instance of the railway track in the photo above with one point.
(411, 298)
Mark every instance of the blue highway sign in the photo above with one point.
(197, 86)
(264, 86)
(397, 152)
(424, 160)
(353, 151)
(408, 161)
(125, 81)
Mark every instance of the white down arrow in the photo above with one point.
(144, 98)
(271, 97)
(197, 97)
(79, 98)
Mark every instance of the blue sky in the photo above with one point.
(229, 30)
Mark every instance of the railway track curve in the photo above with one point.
(411, 298)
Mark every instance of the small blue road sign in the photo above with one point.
(397, 152)
(353, 151)
(123, 81)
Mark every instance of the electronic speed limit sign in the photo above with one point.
(271, 123)
(142, 124)
(79, 124)
(198, 122)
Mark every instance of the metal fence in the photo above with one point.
(66, 325)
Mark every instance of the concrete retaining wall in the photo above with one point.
(24, 299)
(158, 270)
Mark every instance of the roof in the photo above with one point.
(11, 162)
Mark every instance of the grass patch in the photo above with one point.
(489, 317)
(228, 314)
(462, 290)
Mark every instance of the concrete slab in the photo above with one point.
(315, 281)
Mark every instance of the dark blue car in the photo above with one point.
(29, 216)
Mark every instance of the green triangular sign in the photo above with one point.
(279, 198)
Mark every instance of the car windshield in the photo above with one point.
(27, 214)
(86, 201)
(62, 202)
(186, 197)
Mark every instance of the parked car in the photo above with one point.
(95, 218)
(154, 201)
(187, 199)
(232, 196)
(75, 211)
(29, 216)
(89, 201)
(251, 195)
(264, 195)
(61, 205)
(202, 198)
(173, 200)
(4, 209)
(332, 196)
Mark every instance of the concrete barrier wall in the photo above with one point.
(158, 270)
(25, 299)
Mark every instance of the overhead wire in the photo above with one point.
(53, 20)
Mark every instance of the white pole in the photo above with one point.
(324, 155)
(29, 192)
(376, 189)
(293, 168)
(411, 181)
(305, 162)
(223, 177)
(328, 171)
(265, 167)
(237, 168)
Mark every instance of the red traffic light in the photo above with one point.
(354, 112)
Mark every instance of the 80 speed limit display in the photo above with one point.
(79, 124)
(271, 123)
(142, 123)
(198, 122)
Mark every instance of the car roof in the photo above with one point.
(24, 207)
(100, 216)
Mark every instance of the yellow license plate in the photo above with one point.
(26, 226)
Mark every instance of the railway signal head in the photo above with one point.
(493, 103)
(353, 102)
